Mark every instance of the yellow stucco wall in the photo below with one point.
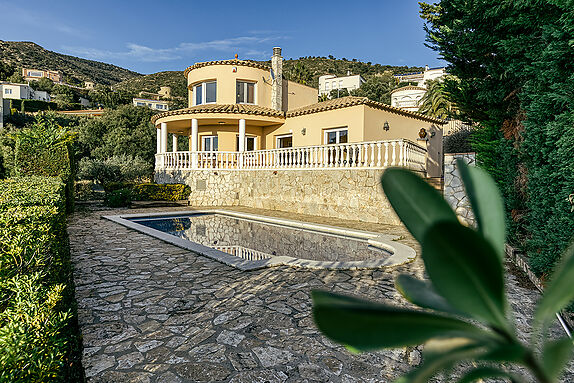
(227, 136)
(315, 125)
(226, 82)
(296, 95)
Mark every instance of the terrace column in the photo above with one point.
(163, 137)
(242, 135)
(174, 143)
(194, 139)
(158, 140)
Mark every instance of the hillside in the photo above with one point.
(318, 66)
(152, 82)
(75, 70)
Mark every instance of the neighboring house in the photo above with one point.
(152, 104)
(83, 112)
(238, 106)
(408, 97)
(36, 74)
(16, 91)
(89, 85)
(328, 83)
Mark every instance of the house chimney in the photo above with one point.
(277, 85)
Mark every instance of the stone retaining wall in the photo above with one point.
(453, 188)
(347, 194)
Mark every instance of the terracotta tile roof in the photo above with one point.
(345, 102)
(408, 87)
(236, 62)
(223, 108)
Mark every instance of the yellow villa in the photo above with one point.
(250, 130)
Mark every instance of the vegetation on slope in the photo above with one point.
(75, 70)
(152, 83)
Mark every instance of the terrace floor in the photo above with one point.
(152, 312)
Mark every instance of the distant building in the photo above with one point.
(85, 102)
(408, 97)
(164, 92)
(16, 91)
(329, 82)
(152, 104)
(89, 85)
(36, 74)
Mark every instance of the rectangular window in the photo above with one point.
(285, 141)
(327, 86)
(334, 84)
(209, 143)
(140, 104)
(198, 94)
(250, 143)
(245, 92)
(7, 91)
(205, 93)
(158, 106)
(336, 136)
(210, 92)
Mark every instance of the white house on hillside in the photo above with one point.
(330, 82)
(408, 97)
(16, 91)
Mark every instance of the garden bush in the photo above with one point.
(119, 168)
(38, 333)
(119, 198)
(161, 192)
(151, 191)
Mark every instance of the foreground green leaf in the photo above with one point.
(435, 363)
(555, 356)
(486, 203)
(417, 204)
(465, 269)
(423, 294)
(559, 291)
(367, 326)
(486, 372)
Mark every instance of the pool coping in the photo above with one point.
(400, 253)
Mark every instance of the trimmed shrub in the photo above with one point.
(161, 192)
(38, 340)
(151, 191)
(119, 198)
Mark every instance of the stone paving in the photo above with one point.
(152, 312)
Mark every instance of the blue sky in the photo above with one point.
(152, 36)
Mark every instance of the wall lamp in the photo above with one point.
(304, 131)
(386, 126)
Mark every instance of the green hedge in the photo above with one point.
(32, 105)
(151, 191)
(38, 339)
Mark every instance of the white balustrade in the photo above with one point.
(375, 155)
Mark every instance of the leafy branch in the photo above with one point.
(466, 316)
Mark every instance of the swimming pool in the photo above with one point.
(249, 241)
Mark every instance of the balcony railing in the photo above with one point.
(375, 155)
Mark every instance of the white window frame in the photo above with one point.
(335, 130)
(210, 137)
(245, 91)
(277, 138)
(255, 142)
(7, 91)
(203, 92)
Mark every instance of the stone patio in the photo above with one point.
(152, 312)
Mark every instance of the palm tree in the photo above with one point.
(436, 102)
